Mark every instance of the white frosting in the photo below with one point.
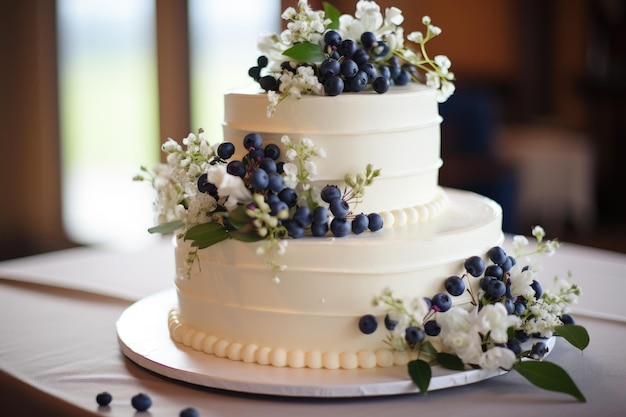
(231, 294)
(397, 132)
(234, 307)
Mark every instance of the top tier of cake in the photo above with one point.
(397, 132)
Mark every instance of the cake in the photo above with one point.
(269, 280)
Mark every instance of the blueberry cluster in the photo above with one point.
(350, 66)
(262, 173)
(141, 402)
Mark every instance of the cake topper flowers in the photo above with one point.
(327, 53)
(205, 194)
(507, 326)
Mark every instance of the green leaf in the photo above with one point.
(246, 237)
(450, 361)
(306, 52)
(429, 349)
(550, 376)
(333, 14)
(169, 227)
(420, 373)
(238, 217)
(207, 234)
(575, 334)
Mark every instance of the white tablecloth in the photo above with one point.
(58, 346)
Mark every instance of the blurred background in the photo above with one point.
(90, 89)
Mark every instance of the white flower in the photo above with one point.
(539, 233)
(455, 319)
(466, 345)
(229, 186)
(426, 20)
(417, 37)
(443, 63)
(393, 16)
(496, 358)
(494, 319)
(519, 242)
(368, 13)
(520, 283)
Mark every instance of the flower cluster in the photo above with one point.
(293, 61)
(205, 195)
(506, 324)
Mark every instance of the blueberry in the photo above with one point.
(359, 223)
(455, 285)
(277, 206)
(272, 151)
(293, 228)
(539, 350)
(497, 255)
(225, 150)
(302, 216)
(340, 227)
(289, 196)
(536, 285)
(494, 271)
(359, 81)
(349, 68)
(384, 72)
(368, 324)
(334, 85)
(381, 50)
(368, 39)
(276, 182)
(319, 229)
(236, 168)
(475, 266)
(510, 306)
(268, 83)
(104, 398)
(390, 324)
(329, 193)
(521, 335)
(252, 141)
(370, 70)
(381, 84)
(484, 282)
(414, 335)
(339, 207)
(204, 186)
(329, 67)
(432, 328)
(320, 214)
(332, 38)
(519, 308)
(403, 78)
(347, 47)
(496, 289)
(360, 56)
(567, 319)
(267, 164)
(259, 179)
(189, 412)
(515, 346)
(441, 302)
(141, 402)
(375, 222)
(508, 264)
(262, 61)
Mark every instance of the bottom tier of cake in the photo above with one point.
(232, 305)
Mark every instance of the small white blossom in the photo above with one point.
(494, 319)
(417, 37)
(497, 358)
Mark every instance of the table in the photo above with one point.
(58, 346)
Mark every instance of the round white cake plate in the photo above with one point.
(144, 338)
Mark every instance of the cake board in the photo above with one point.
(145, 340)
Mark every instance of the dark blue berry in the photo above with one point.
(276, 183)
(302, 216)
(329, 67)
(225, 150)
(236, 168)
(334, 85)
(339, 207)
(347, 47)
(289, 196)
(368, 39)
(272, 151)
(402, 78)
(508, 264)
(189, 412)
(381, 50)
(262, 61)
(370, 70)
(359, 81)
(375, 222)
(293, 228)
(413, 335)
(329, 193)
(496, 289)
(360, 56)
(515, 346)
(509, 305)
(441, 302)
(484, 282)
(141, 402)
(340, 227)
(568, 319)
(384, 72)
(252, 141)
(390, 324)
(539, 350)
(522, 336)
(381, 85)
(497, 255)
(455, 285)
(494, 271)
(320, 214)
(332, 38)
(259, 179)
(359, 223)
(432, 328)
(319, 229)
(204, 186)
(519, 308)
(368, 324)
(536, 285)
(475, 266)
(349, 68)
(104, 398)
(267, 164)
(277, 207)
(268, 83)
